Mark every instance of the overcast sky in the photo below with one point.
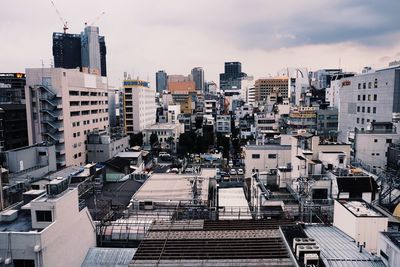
(177, 35)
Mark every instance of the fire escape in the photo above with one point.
(52, 129)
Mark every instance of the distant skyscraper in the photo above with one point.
(161, 81)
(90, 50)
(86, 51)
(232, 77)
(198, 78)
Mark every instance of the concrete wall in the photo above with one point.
(386, 246)
(349, 101)
(104, 152)
(264, 163)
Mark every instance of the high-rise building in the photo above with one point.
(13, 124)
(232, 76)
(367, 98)
(63, 106)
(198, 78)
(264, 88)
(139, 105)
(90, 46)
(161, 81)
(86, 51)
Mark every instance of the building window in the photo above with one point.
(376, 83)
(43, 216)
(368, 110)
(272, 156)
(358, 120)
(364, 85)
(369, 97)
(363, 109)
(24, 263)
(363, 98)
(359, 86)
(369, 85)
(255, 156)
(359, 97)
(362, 121)
(375, 97)
(374, 110)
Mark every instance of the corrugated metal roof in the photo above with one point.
(338, 249)
(118, 257)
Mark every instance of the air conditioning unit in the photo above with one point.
(306, 249)
(302, 241)
(311, 259)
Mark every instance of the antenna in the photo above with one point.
(64, 22)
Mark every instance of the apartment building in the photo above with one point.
(370, 97)
(139, 105)
(265, 87)
(63, 106)
(223, 124)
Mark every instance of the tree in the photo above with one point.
(136, 139)
(153, 139)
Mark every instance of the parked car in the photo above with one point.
(240, 171)
(232, 172)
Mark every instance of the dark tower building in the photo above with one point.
(103, 52)
(13, 123)
(67, 51)
(232, 77)
(161, 81)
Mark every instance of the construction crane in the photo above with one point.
(95, 19)
(64, 22)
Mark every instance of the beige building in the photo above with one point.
(263, 88)
(62, 107)
(139, 105)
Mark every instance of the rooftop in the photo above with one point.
(171, 187)
(162, 126)
(338, 249)
(213, 243)
(118, 257)
(360, 208)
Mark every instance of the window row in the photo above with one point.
(366, 109)
(364, 85)
(367, 97)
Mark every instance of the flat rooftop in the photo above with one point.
(214, 243)
(171, 187)
(234, 204)
(162, 126)
(360, 208)
(338, 249)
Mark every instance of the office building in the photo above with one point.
(366, 98)
(102, 146)
(198, 78)
(12, 88)
(13, 126)
(161, 81)
(232, 76)
(86, 51)
(263, 88)
(223, 124)
(139, 105)
(63, 106)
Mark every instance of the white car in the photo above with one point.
(240, 171)
(233, 172)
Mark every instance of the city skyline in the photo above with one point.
(263, 36)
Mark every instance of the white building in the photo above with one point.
(389, 248)
(360, 221)
(51, 230)
(371, 145)
(369, 97)
(139, 105)
(266, 157)
(164, 132)
(173, 112)
(62, 107)
(223, 124)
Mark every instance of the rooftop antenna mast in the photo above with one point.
(64, 22)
